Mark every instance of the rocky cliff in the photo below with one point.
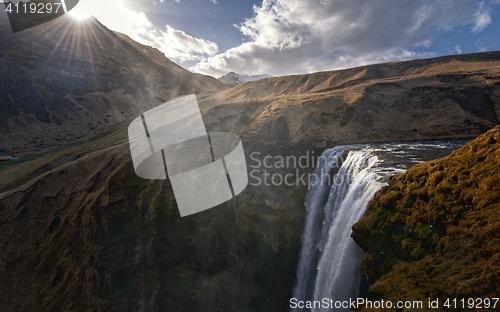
(433, 232)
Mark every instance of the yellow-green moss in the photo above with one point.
(434, 230)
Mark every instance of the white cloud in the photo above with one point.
(481, 47)
(297, 36)
(214, 1)
(483, 19)
(176, 44)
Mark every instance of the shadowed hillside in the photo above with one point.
(68, 79)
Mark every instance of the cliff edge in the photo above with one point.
(433, 231)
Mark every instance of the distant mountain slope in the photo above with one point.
(67, 79)
(235, 79)
(448, 97)
(433, 232)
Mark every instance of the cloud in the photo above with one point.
(175, 44)
(482, 46)
(214, 1)
(297, 36)
(483, 19)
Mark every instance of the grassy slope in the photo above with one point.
(433, 232)
(34, 165)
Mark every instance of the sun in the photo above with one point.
(81, 11)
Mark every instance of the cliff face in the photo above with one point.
(433, 232)
(89, 235)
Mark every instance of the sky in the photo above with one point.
(284, 37)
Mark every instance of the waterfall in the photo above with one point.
(315, 202)
(330, 261)
(347, 179)
(339, 270)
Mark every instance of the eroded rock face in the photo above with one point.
(91, 235)
(433, 232)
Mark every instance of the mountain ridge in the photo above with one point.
(78, 79)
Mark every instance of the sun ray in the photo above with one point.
(56, 26)
(82, 11)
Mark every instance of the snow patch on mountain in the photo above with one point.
(235, 79)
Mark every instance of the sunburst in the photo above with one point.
(83, 10)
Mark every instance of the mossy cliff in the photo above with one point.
(433, 232)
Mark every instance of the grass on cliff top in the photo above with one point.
(433, 232)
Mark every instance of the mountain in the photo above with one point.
(65, 80)
(441, 98)
(235, 79)
(433, 232)
(80, 231)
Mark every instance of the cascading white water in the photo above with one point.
(330, 261)
(326, 239)
(315, 201)
(346, 204)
